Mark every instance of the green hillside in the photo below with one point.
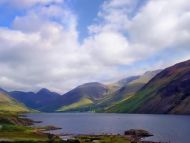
(167, 92)
(9, 104)
(114, 94)
(84, 102)
(131, 86)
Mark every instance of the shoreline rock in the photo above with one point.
(138, 133)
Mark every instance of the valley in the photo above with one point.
(168, 88)
(155, 92)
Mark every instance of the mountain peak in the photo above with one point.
(152, 73)
(92, 84)
(127, 80)
(43, 90)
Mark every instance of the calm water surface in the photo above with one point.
(175, 129)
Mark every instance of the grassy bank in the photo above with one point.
(16, 129)
(103, 139)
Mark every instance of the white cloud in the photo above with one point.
(155, 26)
(109, 48)
(40, 52)
(42, 49)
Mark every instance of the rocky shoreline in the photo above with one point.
(132, 135)
(44, 134)
(105, 138)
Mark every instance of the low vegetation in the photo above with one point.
(8, 104)
(16, 129)
(103, 139)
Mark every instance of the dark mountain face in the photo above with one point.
(47, 101)
(25, 97)
(47, 95)
(171, 92)
(167, 92)
(38, 101)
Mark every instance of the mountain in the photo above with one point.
(47, 101)
(93, 90)
(38, 101)
(82, 96)
(128, 87)
(2, 90)
(145, 77)
(87, 97)
(8, 104)
(126, 81)
(167, 92)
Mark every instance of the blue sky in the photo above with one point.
(7, 15)
(86, 11)
(59, 44)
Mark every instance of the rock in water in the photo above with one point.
(138, 133)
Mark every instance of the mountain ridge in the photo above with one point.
(163, 94)
(168, 88)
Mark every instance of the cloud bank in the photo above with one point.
(41, 48)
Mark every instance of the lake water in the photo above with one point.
(175, 129)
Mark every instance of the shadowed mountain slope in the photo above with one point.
(167, 92)
(130, 86)
(38, 101)
(89, 92)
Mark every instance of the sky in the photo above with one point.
(60, 44)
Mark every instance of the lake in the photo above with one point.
(173, 128)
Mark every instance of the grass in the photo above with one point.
(131, 104)
(82, 103)
(12, 108)
(12, 128)
(20, 133)
(13, 132)
(23, 136)
(103, 139)
(8, 104)
(15, 129)
(143, 79)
